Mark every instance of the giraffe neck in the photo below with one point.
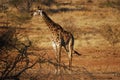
(48, 21)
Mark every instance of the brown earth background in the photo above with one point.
(95, 25)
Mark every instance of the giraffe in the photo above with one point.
(60, 37)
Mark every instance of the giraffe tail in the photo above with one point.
(77, 53)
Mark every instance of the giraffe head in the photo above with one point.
(38, 12)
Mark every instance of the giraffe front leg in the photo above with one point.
(58, 57)
(70, 59)
(57, 47)
(54, 47)
(59, 54)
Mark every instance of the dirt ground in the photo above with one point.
(94, 63)
(99, 59)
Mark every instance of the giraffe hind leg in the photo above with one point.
(70, 47)
(70, 58)
(66, 48)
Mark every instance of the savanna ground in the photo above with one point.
(95, 25)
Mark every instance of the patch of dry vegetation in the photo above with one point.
(111, 33)
(111, 3)
(94, 24)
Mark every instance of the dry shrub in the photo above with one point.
(111, 33)
(14, 59)
(6, 38)
(111, 3)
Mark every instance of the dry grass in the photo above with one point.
(111, 34)
(90, 27)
